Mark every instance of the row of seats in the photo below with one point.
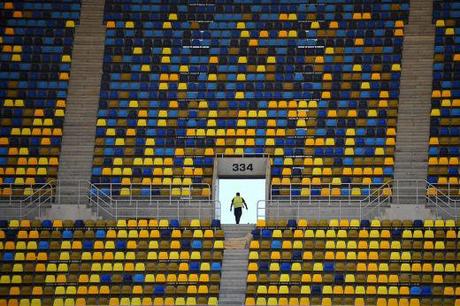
(37, 40)
(171, 87)
(444, 144)
(367, 262)
(284, 11)
(355, 224)
(114, 301)
(63, 262)
(111, 224)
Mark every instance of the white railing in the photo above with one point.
(442, 199)
(26, 201)
(106, 201)
(348, 206)
(315, 192)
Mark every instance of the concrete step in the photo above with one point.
(82, 103)
(415, 97)
(234, 273)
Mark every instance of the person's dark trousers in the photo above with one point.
(238, 212)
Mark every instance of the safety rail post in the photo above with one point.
(298, 210)
(130, 193)
(369, 193)
(11, 194)
(340, 210)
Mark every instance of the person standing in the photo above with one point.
(238, 203)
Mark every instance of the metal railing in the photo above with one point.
(152, 192)
(334, 192)
(26, 201)
(444, 200)
(106, 201)
(348, 206)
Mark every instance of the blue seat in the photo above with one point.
(127, 278)
(296, 255)
(194, 266)
(106, 278)
(415, 291)
(339, 279)
(47, 224)
(365, 224)
(67, 234)
(417, 223)
(276, 245)
(255, 234)
(285, 267)
(8, 256)
(120, 244)
(174, 223)
(87, 245)
(216, 266)
(79, 224)
(185, 244)
(43, 245)
(158, 290)
(165, 233)
(266, 233)
(138, 278)
(197, 244)
(100, 234)
(215, 223)
(426, 291)
(316, 290)
(263, 266)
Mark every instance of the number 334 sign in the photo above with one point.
(242, 167)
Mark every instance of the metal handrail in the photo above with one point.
(26, 206)
(152, 187)
(105, 201)
(112, 206)
(375, 196)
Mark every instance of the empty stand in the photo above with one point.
(444, 143)
(354, 263)
(124, 262)
(315, 85)
(36, 54)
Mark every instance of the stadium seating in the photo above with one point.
(444, 143)
(315, 85)
(129, 262)
(354, 263)
(36, 40)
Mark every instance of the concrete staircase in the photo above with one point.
(415, 98)
(235, 265)
(82, 103)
